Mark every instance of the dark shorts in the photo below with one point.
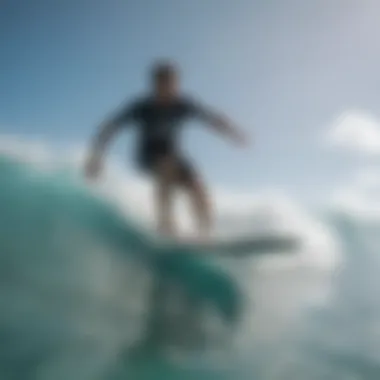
(151, 154)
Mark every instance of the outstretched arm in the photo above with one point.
(220, 123)
(102, 139)
(98, 146)
(226, 127)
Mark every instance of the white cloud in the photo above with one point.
(356, 131)
(360, 195)
(35, 151)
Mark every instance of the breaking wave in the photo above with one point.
(87, 293)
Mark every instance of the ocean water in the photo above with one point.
(86, 293)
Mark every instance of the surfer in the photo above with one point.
(159, 116)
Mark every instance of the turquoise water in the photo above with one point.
(79, 279)
(70, 253)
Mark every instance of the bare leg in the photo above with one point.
(201, 207)
(165, 187)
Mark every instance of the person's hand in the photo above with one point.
(241, 139)
(92, 168)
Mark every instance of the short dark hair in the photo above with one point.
(163, 69)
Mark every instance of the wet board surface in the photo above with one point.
(242, 246)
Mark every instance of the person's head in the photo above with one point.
(165, 77)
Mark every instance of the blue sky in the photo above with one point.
(283, 70)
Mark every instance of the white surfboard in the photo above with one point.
(243, 246)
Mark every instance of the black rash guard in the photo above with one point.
(158, 126)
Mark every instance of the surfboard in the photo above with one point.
(242, 246)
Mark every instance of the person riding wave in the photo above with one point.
(159, 117)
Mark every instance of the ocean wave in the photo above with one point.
(77, 273)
